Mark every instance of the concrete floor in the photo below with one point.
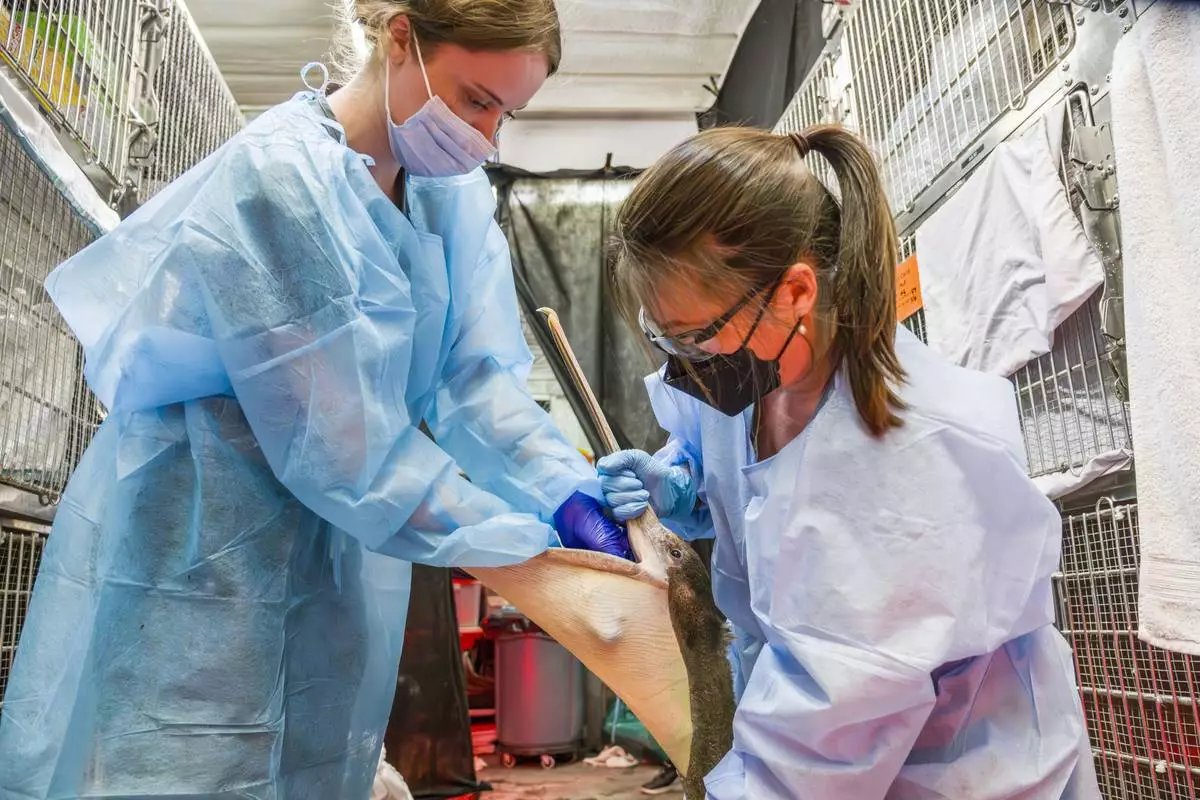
(528, 781)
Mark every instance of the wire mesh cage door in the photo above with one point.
(20, 555)
(1072, 404)
(194, 110)
(923, 80)
(931, 76)
(77, 57)
(47, 415)
(1071, 411)
(1139, 701)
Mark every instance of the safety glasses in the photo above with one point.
(687, 345)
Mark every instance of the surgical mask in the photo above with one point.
(434, 142)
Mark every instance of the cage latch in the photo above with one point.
(1094, 180)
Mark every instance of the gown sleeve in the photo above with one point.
(265, 276)
(483, 413)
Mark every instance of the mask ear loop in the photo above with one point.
(421, 63)
(755, 419)
(387, 78)
(774, 287)
(798, 328)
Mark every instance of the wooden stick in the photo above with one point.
(579, 380)
(637, 528)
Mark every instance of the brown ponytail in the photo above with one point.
(864, 283)
(730, 208)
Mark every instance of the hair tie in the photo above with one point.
(801, 142)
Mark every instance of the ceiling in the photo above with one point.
(623, 58)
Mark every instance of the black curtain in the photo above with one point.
(779, 47)
(428, 738)
(558, 227)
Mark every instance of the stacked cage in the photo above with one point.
(102, 102)
(934, 86)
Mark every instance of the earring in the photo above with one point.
(802, 330)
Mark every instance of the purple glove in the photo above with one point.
(582, 525)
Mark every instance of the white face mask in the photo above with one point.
(434, 142)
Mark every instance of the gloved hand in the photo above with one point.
(633, 480)
(582, 525)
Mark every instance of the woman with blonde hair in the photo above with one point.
(222, 601)
(884, 560)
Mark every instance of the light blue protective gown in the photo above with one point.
(891, 599)
(222, 602)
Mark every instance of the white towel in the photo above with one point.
(389, 785)
(613, 757)
(1057, 485)
(1005, 261)
(1156, 88)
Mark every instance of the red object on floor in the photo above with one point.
(467, 637)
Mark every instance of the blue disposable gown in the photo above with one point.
(890, 598)
(222, 601)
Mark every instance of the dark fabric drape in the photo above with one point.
(428, 738)
(780, 45)
(557, 228)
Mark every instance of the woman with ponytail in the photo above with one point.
(882, 556)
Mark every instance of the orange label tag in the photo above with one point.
(908, 289)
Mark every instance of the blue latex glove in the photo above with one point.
(633, 480)
(582, 525)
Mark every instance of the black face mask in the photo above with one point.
(730, 384)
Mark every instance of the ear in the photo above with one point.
(399, 37)
(798, 292)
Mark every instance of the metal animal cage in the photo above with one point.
(924, 80)
(47, 415)
(77, 58)
(934, 86)
(20, 555)
(134, 96)
(1139, 701)
(1070, 408)
(931, 75)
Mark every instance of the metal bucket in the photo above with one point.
(539, 695)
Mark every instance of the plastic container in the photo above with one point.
(468, 596)
(539, 694)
